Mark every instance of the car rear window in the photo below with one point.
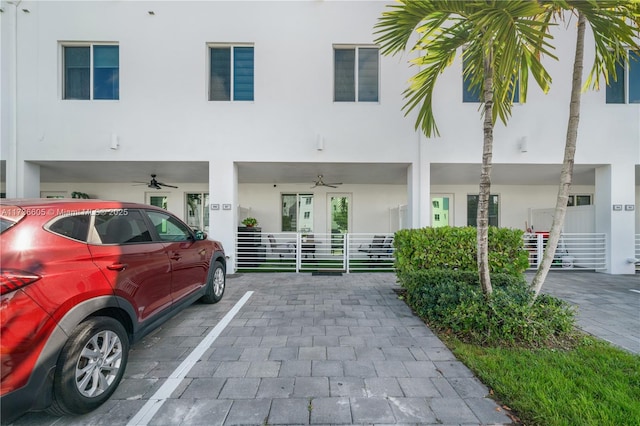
(75, 226)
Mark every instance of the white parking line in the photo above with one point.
(146, 413)
(636, 291)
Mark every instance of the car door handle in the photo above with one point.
(117, 266)
(176, 256)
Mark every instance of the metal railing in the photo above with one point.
(317, 252)
(369, 252)
(583, 251)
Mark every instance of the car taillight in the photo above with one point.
(13, 279)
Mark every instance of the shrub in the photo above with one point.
(453, 302)
(456, 248)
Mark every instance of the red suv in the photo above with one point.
(80, 281)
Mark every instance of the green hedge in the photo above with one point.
(456, 248)
(453, 301)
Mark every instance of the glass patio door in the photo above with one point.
(198, 211)
(339, 220)
(297, 213)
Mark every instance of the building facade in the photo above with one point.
(287, 112)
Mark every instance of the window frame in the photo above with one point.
(232, 94)
(63, 74)
(572, 201)
(356, 82)
(625, 81)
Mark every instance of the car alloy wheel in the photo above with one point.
(90, 366)
(215, 283)
(99, 363)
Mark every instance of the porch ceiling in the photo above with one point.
(352, 173)
(124, 171)
(281, 172)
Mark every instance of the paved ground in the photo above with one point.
(323, 350)
(608, 305)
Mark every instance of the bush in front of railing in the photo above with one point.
(437, 268)
(452, 302)
(456, 248)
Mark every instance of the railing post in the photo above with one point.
(539, 249)
(298, 251)
(345, 252)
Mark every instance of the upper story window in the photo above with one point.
(91, 71)
(626, 89)
(356, 74)
(231, 73)
(473, 94)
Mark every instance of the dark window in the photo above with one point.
(75, 227)
(624, 87)
(231, 67)
(474, 94)
(472, 210)
(80, 67)
(356, 68)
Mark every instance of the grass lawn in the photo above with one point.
(591, 384)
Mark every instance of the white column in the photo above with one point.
(419, 187)
(223, 217)
(9, 90)
(615, 192)
(28, 181)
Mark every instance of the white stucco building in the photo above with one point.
(241, 105)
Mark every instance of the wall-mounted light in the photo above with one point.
(114, 142)
(522, 144)
(319, 142)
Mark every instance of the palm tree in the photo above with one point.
(501, 43)
(614, 24)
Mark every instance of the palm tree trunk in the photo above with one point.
(485, 179)
(567, 165)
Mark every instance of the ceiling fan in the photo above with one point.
(320, 182)
(153, 183)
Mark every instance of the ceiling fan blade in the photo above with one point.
(167, 185)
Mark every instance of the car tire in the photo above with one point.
(216, 282)
(90, 366)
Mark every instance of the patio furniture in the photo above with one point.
(283, 250)
(308, 246)
(380, 247)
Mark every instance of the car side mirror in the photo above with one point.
(201, 235)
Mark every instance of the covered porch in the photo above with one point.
(355, 199)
